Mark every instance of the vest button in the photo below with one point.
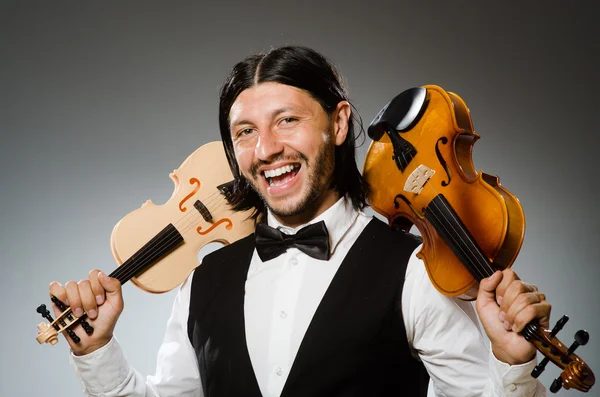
(279, 371)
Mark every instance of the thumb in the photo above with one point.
(111, 285)
(487, 288)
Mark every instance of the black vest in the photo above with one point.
(355, 344)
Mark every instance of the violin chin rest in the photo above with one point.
(399, 114)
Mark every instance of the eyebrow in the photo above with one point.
(273, 114)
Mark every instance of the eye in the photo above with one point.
(244, 132)
(288, 120)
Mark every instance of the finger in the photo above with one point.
(513, 290)
(88, 299)
(487, 288)
(520, 303)
(508, 277)
(112, 286)
(74, 298)
(58, 291)
(97, 288)
(539, 311)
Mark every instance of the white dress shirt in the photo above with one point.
(281, 298)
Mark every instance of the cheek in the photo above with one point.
(243, 156)
(308, 141)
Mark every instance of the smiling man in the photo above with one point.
(285, 144)
(322, 300)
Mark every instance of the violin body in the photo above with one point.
(420, 171)
(196, 180)
(157, 246)
(442, 166)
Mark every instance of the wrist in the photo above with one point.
(503, 356)
(91, 347)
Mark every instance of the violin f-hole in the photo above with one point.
(443, 162)
(193, 181)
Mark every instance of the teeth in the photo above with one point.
(279, 171)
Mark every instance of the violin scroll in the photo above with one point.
(576, 373)
(48, 332)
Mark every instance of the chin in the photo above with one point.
(284, 210)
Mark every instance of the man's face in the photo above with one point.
(284, 145)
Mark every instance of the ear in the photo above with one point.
(341, 120)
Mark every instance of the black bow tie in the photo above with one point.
(313, 240)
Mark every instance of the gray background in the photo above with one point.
(100, 101)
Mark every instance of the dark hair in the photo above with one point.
(306, 69)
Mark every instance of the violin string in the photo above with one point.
(475, 253)
(139, 263)
(194, 215)
(132, 268)
(471, 265)
(483, 265)
(466, 246)
(135, 266)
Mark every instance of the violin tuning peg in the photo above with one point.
(537, 371)
(44, 312)
(556, 385)
(559, 325)
(581, 338)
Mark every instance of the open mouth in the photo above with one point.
(282, 175)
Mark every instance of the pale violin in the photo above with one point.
(421, 172)
(157, 246)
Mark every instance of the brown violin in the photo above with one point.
(421, 170)
(156, 246)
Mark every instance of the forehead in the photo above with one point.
(263, 99)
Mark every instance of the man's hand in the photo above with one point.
(101, 299)
(505, 305)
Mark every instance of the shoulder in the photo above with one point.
(226, 256)
(227, 252)
(377, 229)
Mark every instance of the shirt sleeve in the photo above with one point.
(446, 335)
(106, 372)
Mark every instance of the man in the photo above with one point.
(354, 316)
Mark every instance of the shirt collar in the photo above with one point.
(338, 218)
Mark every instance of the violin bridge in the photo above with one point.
(417, 179)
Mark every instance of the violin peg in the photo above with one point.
(556, 385)
(581, 338)
(45, 312)
(559, 325)
(537, 371)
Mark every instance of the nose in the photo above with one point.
(268, 145)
